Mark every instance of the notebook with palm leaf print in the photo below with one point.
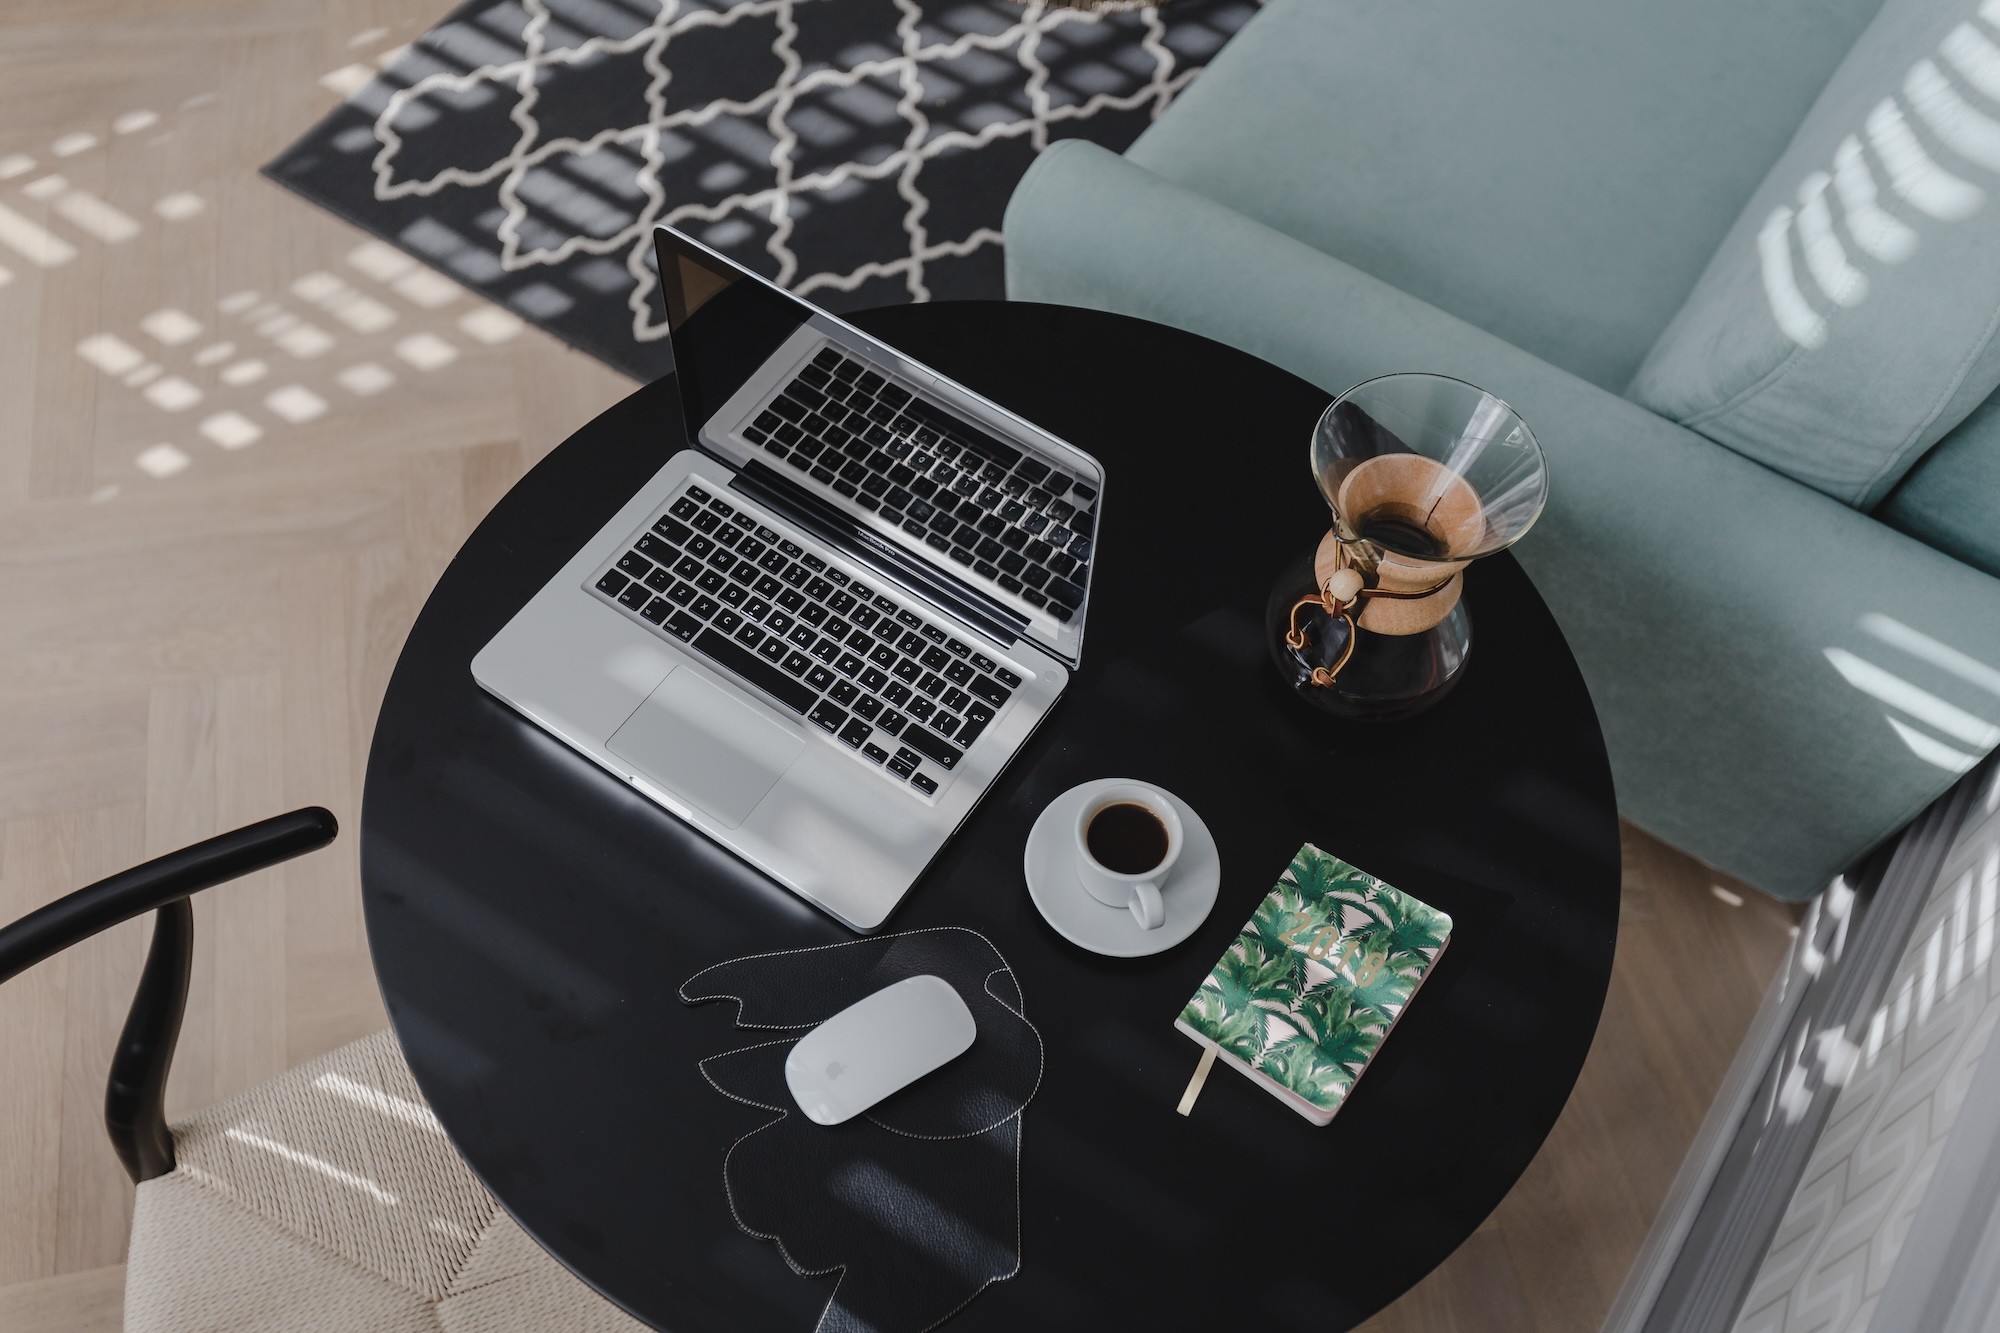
(1309, 990)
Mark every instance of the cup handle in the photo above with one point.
(1146, 907)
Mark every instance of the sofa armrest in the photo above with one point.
(1782, 681)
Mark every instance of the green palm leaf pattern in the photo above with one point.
(1288, 997)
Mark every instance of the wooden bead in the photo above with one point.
(1344, 586)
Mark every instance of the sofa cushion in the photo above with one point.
(1848, 320)
(1782, 681)
(1556, 173)
(1951, 498)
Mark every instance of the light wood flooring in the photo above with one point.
(205, 578)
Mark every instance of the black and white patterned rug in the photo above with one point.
(859, 151)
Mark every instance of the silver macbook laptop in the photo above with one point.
(820, 633)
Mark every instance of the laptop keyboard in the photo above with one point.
(895, 686)
(1011, 519)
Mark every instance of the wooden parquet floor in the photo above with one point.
(238, 443)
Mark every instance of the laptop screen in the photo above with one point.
(711, 369)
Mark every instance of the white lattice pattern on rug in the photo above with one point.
(781, 199)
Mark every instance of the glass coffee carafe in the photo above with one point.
(1423, 474)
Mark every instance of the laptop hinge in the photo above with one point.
(765, 484)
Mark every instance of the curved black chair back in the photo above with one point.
(135, 1098)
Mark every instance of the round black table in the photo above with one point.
(532, 918)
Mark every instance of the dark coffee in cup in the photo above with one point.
(1126, 838)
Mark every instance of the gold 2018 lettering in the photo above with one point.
(1326, 942)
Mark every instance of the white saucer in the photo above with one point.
(1050, 865)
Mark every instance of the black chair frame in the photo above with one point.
(135, 1096)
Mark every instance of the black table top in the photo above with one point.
(532, 918)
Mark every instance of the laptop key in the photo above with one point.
(656, 610)
(955, 699)
(635, 596)
(867, 706)
(682, 594)
(684, 627)
(705, 607)
(727, 621)
(773, 648)
(612, 583)
(848, 665)
(802, 635)
(826, 650)
(634, 565)
(750, 636)
(685, 507)
(921, 708)
(796, 663)
(992, 691)
(932, 746)
(753, 668)
(1007, 678)
(875, 753)
(901, 767)
(819, 678)
(1062, 590)
(844, 692)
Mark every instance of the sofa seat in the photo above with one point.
(1512, 164)
(1782, 681)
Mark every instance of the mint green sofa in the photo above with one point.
(1773, 538)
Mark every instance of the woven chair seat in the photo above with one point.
(330, 1198)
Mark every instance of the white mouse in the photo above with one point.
(877, 1046)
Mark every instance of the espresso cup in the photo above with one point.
(1125, 883)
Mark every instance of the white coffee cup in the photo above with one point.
(1137, 890)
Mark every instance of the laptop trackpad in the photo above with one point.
(702, 743)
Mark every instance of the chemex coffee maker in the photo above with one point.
(1424, 474)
